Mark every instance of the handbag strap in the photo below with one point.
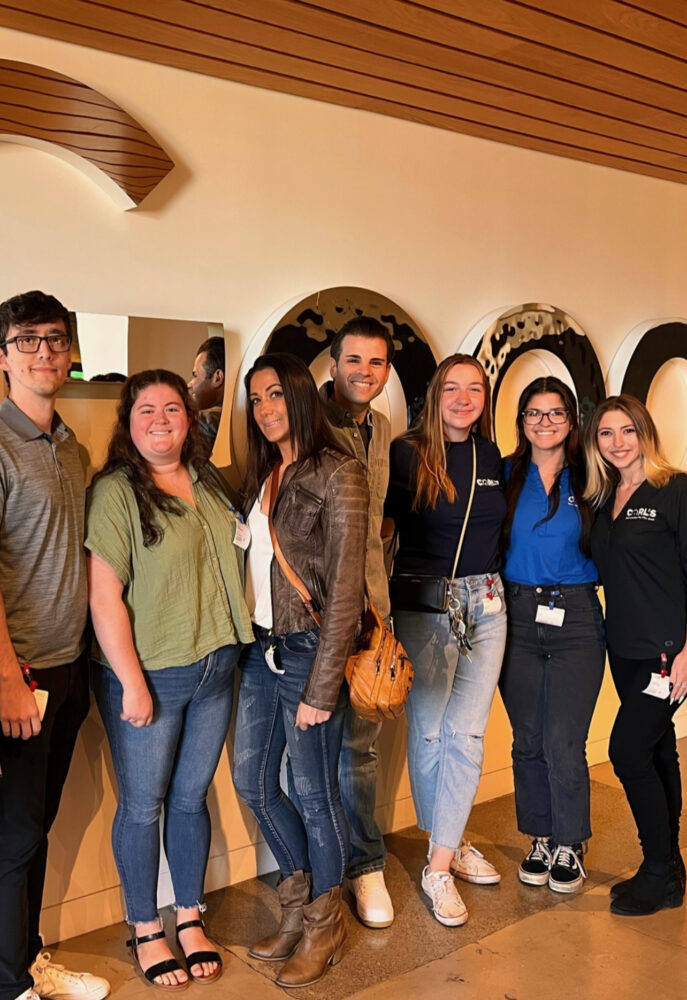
(290, 575)
(468, 509)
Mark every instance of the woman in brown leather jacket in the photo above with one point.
(291, 687)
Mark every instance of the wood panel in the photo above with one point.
(39, 106)
(597, 80)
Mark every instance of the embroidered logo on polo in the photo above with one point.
(640, 514)
(487, 482)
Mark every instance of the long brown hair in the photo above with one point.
(308, 428)
(427, 437)
(602, 477)
(573, 461)
(123, 455)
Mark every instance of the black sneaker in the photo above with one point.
(535, 866)
(567, 870)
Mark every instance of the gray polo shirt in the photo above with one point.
(42, 564)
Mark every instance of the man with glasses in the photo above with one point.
(43, 667)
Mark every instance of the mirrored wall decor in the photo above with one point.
(306, 326)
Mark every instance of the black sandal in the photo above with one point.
(197, 957)
(160, 968)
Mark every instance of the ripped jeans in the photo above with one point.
(313, 837)
(449, 705)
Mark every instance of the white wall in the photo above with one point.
(275, 196)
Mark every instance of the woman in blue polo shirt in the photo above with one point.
(555, 651)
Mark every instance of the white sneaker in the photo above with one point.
(54, 982)
(373, 901)
(449, 908)
(29, 994)
(470, 865)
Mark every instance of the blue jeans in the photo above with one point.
(170, 762)
(268, 703)
(449, 705)
(549, 684)
(358, 780)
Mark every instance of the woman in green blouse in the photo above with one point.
(166, 598)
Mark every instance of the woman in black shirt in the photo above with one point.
(456, 665)
(639, 544)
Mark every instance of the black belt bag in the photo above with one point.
(418, 592)
(415, 592)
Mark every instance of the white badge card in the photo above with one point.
(491, 607)
(242, 536)
(549, 616)
(42, 701)
(658, 686)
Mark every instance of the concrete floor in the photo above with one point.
(520, 943)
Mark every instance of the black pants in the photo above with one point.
(33, 775)
(549, 683)
(644, 755)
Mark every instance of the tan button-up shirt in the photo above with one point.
(376, 461)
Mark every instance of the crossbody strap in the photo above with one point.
(290, 575)
(469, 508)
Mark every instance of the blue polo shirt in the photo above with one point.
(549, 553)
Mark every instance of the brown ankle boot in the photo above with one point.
(293, 892)
(322, 942)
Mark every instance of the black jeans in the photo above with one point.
(549, 684)
(644, 755)
(33, 775)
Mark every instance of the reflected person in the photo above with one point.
(206, 386)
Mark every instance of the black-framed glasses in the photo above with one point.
(531, 417)
(29, 343)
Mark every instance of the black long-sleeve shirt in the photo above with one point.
(642, 561)
(428, 538)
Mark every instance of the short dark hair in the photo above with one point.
(213, 348)
(362, 326)
(29, 308)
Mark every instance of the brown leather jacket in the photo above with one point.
(320, 519)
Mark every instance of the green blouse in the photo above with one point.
(184, 595)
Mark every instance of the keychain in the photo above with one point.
(458, 626)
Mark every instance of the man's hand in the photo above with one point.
(308, 716)
(18, 709)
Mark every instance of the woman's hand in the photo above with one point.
(137, 705)
(309, 716)
(678, 676)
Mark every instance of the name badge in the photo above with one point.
(658, 686)
(549, 616)
(491, 607)
(242, 536)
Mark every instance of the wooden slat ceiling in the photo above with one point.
(43, 106)
(598, 80)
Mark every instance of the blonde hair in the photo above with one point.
(427, 437)
(602, 478)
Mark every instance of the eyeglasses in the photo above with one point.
(531, 417)
(28, 343)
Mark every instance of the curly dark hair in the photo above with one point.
(123, 455)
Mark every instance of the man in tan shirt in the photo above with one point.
(362, 352)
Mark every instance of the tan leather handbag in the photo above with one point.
(380, 674)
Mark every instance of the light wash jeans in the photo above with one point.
(171, 762)
(449, 705)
